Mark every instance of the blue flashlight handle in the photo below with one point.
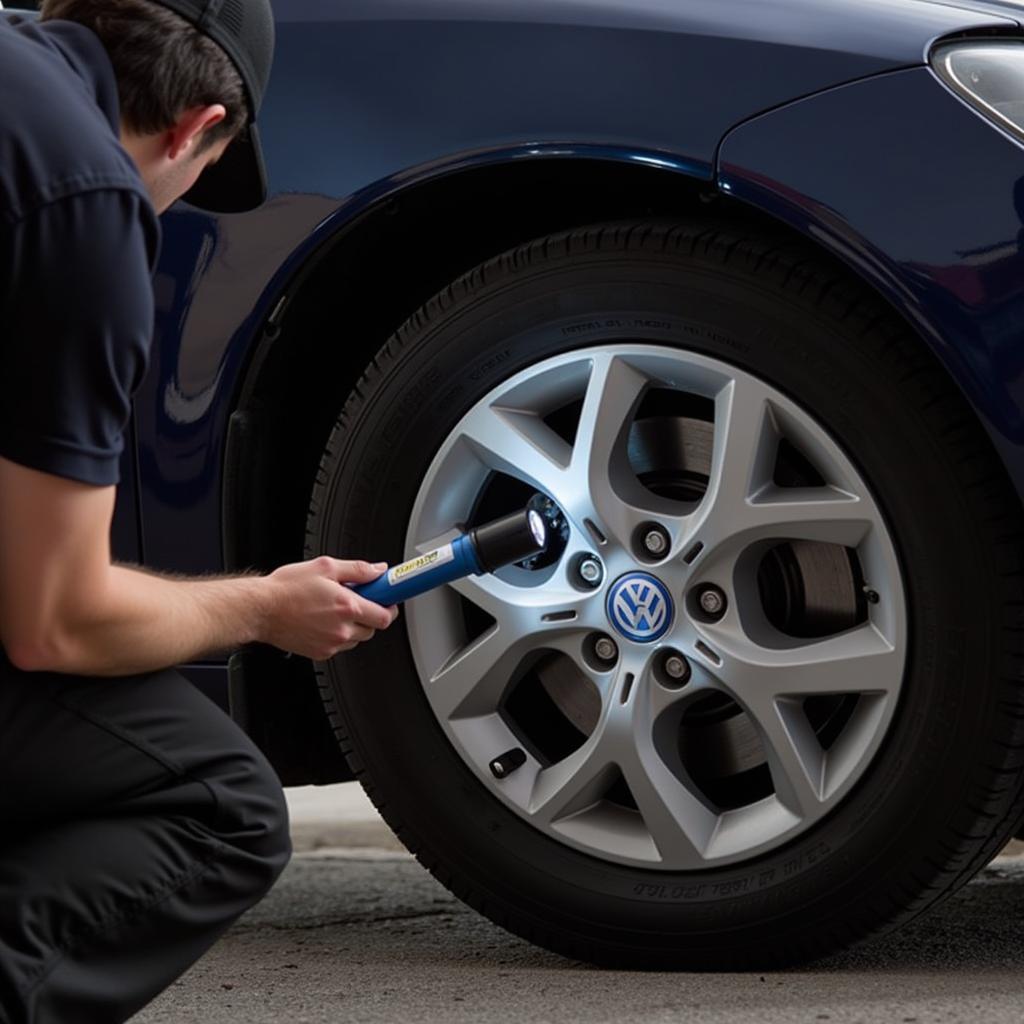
(424, 573)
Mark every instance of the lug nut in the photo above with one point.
(712, 602)
(677, 667)
(672, 670)
(590, 571)
(655, 541)
(502, 767)
(600, 652)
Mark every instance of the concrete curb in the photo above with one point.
(337, 816)
(342, 817)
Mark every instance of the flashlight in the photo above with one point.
(481, 550)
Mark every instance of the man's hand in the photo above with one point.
(312, 613)
(65, 608)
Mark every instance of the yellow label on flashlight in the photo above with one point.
(417, 566)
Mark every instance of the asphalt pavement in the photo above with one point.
(359, 932)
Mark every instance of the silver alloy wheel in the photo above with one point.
(628, 716)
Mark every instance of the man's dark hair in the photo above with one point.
(163, 65)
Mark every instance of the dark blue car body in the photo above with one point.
(407, 140)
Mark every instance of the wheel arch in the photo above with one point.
(335, 304)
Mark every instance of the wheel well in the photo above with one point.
(362, 286)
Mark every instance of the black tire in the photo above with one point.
(945, 789)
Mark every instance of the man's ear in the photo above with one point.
(183, 136)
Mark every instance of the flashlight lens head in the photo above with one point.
(509, 540)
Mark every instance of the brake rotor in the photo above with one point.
(571, 692)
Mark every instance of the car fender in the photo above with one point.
(924, 199)
(367, 88)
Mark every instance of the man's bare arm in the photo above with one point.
(65, 608)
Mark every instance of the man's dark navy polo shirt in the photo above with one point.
(78, 240)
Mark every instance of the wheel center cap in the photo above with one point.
(640, 607)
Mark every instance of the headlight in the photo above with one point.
(990, 76)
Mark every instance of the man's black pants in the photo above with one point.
(137, 822)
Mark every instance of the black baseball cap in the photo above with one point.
(244, 30)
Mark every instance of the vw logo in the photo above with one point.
(640, 607)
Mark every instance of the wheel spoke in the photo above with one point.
(743, 505)
(795, 757)
(679, 822)
(771, 684)
(489, 593)
(473, 680)
(744, 448)
(825, 514)
(520, 444)
(531, 611)
(602, 478)
(582, 778)
(858, 661)
(612, 395)
(574, 783)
